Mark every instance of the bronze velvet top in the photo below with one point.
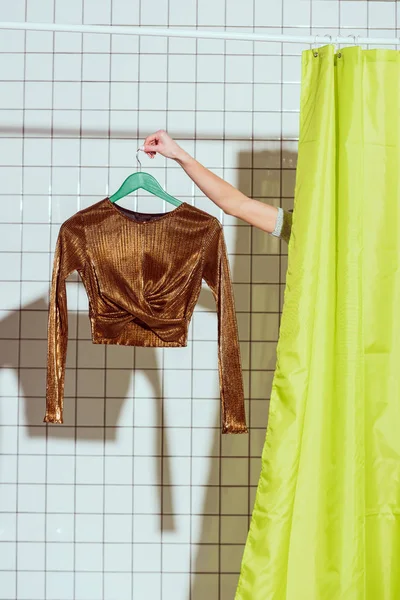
(143, 275)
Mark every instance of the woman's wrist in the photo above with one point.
(182, 157)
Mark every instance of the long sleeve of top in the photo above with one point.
(69, 256)
(217, 275)
(142, 273)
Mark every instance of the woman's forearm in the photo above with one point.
(222, 193)
(231, 200)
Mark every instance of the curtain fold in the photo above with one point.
(326, 517)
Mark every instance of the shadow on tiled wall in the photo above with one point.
(259, 280)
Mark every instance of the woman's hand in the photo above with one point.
(161, 142)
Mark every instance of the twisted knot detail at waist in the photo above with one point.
(111, 325)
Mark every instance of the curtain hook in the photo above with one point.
(354, 38)
(330, 39)
(315, 51)
(137, 159)
(337, 46)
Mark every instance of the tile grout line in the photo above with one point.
(17, 541)
(50, 192)
(79, 191)
(220, 461)
(106, 349)
(134, 399)
(162, 403)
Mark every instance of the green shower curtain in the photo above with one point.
(326, 518)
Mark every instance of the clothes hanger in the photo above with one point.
(144, 181)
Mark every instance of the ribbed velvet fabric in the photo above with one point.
(143, 275)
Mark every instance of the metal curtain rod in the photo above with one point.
(199, 33)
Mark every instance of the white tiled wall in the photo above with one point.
(138, 495)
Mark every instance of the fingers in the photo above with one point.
(152, 139)
(148, 149)
(154, 143)
(155, 138)
(153, 147)
(150, 144)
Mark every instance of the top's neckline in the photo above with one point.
(160, 216)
